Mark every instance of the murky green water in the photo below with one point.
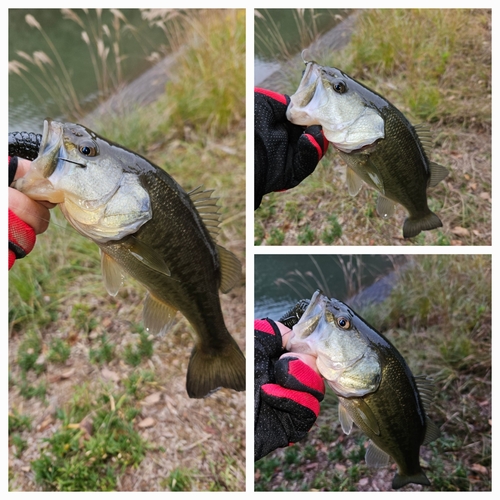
(276, 27)
(282, 280)
(28, 106)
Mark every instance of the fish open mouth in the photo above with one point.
(35, 183)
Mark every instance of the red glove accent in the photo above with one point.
(21, 238)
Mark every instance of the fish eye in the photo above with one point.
(343, 323)
(339, 87)
(88, 148)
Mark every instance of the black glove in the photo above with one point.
(287, 392)
(285, 154)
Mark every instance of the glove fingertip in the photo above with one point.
(318, 141)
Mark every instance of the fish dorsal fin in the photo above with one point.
(438, 173)
(354, 182)
(157, 315)
(432, 431)
(230, 269)
(112, 274)
(385, 207)
(424, 135)
(345, 419)
(375, 457)
(425, 389)
(147, 256)
(207, 209)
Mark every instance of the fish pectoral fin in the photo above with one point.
(367, 416)
(112, 274)
(354, 182)
(374, 176)
(147, 256)
(345, 419)
(438, 173)
(157, 316)
(385, 207)
(375, 457)
(432, 431)
(230, 269)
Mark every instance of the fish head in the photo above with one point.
(88, 177)
(348, 112)
(328, 330)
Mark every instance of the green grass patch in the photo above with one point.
(103, 352)
(90, 456)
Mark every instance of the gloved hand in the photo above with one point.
(285, 154)
(287, 391)
(27, 218)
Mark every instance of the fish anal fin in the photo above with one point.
(354, 182)
(112, 274)
(385, 207)
(438, 173)
(345, 419)
(157, 315)
(230, 269)
(211, 370)
(375, 457)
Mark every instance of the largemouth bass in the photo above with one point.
(146, 226)
(377, 142)
(374, 385)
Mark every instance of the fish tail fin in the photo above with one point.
(401, 480)
(413, 226)
(210, 370)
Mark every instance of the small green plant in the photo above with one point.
(136, 382)
(29, 391)
(18, 422)
(83, 317)
(59, 351)
(19, 443)
(332, 233)
(276, 237)
(134, 354)
(180, 479)
(306, 236)
(104, 353)
(29, 352)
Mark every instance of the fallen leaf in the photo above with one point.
(147, 422)
(152, 398)
(460, 231)
(110, 375)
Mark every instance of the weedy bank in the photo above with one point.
(95, 403)
(435, 66)
(439, 317)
